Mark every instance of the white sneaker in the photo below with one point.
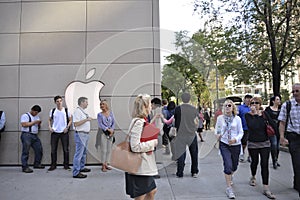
(242, 158)
(229, 193)
(195, 175)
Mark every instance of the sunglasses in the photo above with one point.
(228, 105)
(295, 91)
(254, 102)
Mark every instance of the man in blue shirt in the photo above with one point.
(243, 109)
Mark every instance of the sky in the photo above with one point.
(176, 15)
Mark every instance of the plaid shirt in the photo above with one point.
(294, 122)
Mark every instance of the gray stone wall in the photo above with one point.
(46, 45)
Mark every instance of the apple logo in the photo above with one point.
(89, 89)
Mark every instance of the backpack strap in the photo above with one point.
(29, 121)
(67, 116)
(53, 110)
(288, 110)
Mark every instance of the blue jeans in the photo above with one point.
(81, 142)
(230, 155)
(31, 140)
(274, 148)
(193, 148)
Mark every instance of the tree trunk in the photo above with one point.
(276, 78)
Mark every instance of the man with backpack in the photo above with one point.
(2, 122)
(59, 121)
(290, 124)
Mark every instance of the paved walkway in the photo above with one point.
(210, 185)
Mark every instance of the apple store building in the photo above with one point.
(100, 49)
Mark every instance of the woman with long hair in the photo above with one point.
(142, 184)
(273, 110)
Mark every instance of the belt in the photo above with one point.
(30, 133)
(294, 133)
(82, 132)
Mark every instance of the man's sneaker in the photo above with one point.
(51, 168)
(195, 175)
(27, 170)
(85, 170)
(229, 193)
(80, 175)
(39, 166)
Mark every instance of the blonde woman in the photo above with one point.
(142, 184)
(229, 132)
(106, 124)
(258, 145)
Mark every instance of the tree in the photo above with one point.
(268, 31)
(187, 69)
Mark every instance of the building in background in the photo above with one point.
(47, 45)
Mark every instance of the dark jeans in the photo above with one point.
(31, 140)
(166, 138)
(294, 148)
(274, 148)
(193, 148)
(64, 138)
(264, 154)
(230, 155)
(207, 124)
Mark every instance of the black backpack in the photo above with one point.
(66, 110)
(3, 128)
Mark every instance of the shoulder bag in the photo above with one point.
(123, 158)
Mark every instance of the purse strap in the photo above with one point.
(129, 133)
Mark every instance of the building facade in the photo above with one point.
(47, 45)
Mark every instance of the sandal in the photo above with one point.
(269, 194)
(252, 181)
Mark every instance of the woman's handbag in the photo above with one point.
(173, 132)
(269, 129)
(124, 159)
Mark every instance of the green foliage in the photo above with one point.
(264, 33)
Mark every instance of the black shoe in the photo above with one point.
(67, 168)
(85, 170)
(278, 165)
(275, 165)
(39, 166)
(80, 175)
(27, 170)
(52, 168)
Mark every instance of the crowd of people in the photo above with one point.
(237, 129)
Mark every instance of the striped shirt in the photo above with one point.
(294, 120)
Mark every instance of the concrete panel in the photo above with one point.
(37, 48)
(155, 13)
(9, 153)
(53, 16)
(11, 109)
(51, 80)
(9, 77)
(118, 15)
(122, 47)
(9, 51)
(9, 1)
(124, 79)
(10, 17)
(156, 39)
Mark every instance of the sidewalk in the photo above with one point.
(210, 184)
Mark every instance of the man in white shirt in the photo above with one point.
(82, 124)
(59, 122)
